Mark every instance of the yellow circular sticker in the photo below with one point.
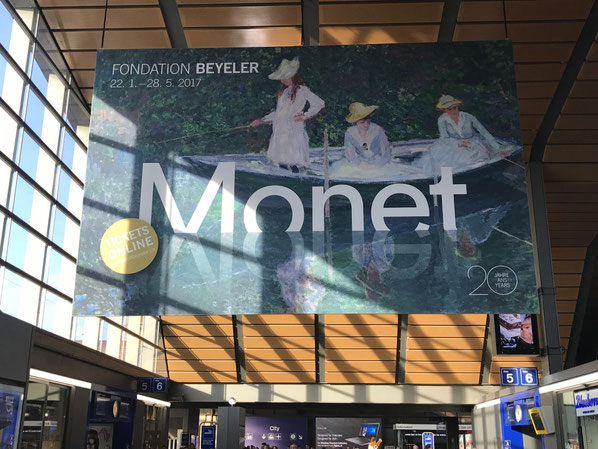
(129, 245)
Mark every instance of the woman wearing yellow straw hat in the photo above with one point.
(289, 144)
(463, 139)
(365, 142)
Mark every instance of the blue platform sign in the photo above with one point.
(144, 385)
(428, 440)
(208, 437)
(529, 377)
(519, 377)
(152, 385)
(159, 384)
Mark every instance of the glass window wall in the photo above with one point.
(44, 126)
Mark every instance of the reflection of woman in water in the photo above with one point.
(375, 258)
(366, 143)
(289, 144)
(463, 139)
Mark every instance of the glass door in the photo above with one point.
(589, 429)
(45, 416)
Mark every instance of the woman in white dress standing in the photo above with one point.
(463, 139)
(289, 144)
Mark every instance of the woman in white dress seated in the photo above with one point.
(463, 139)
(366, 143)
(289, 144)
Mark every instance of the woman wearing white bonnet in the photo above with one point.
(289, 144)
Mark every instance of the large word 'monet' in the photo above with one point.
(224, 177)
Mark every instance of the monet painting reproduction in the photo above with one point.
(346, 179)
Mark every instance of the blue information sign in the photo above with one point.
(144, 385)
(428, 440)
(519, 377)
(159, 384)
(208, 437)
(152, 385)
(528, 377)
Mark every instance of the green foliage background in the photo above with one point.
(404, 80)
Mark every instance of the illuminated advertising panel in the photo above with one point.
(344, 179)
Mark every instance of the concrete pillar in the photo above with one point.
(231, 428)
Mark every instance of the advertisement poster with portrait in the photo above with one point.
(516, 333)
(99, 436)
(347, 432)
(341, 179)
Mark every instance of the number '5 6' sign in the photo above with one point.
(519, 377)
(152, 385)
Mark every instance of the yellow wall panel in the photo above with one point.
(469, 319)
(280, 365)
(361, 319)
(197, 319)
(279, 342)
(200, 354)
(347, 35)
(279, 330)
(197, 330)
(213, 377)
(281, 354)
(442, 378)
(445, 343)
(198, 342)
(361, 354)
(442, 367)
(360, 378)
(446, 331)
(281, 377)
(441, 355)
(203, 365)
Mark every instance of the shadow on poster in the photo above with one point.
(347, 433)
(517, 334)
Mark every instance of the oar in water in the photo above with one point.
(224, 132)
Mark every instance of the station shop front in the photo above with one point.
(55, 394)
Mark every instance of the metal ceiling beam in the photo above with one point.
(310, 20)
(320, 347)
(449, 20)
(239, 349)
(581, 307)
(401, 349)
(174, 26)
(544, 271)
(576, 61)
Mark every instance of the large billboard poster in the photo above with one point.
(344, 179)
(344, 433)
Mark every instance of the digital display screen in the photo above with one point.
(516, 333)
(537, 421)
(369, 431)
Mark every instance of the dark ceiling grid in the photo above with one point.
(174, 26)
(310, 22)
(574, 65)
(449, 20)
